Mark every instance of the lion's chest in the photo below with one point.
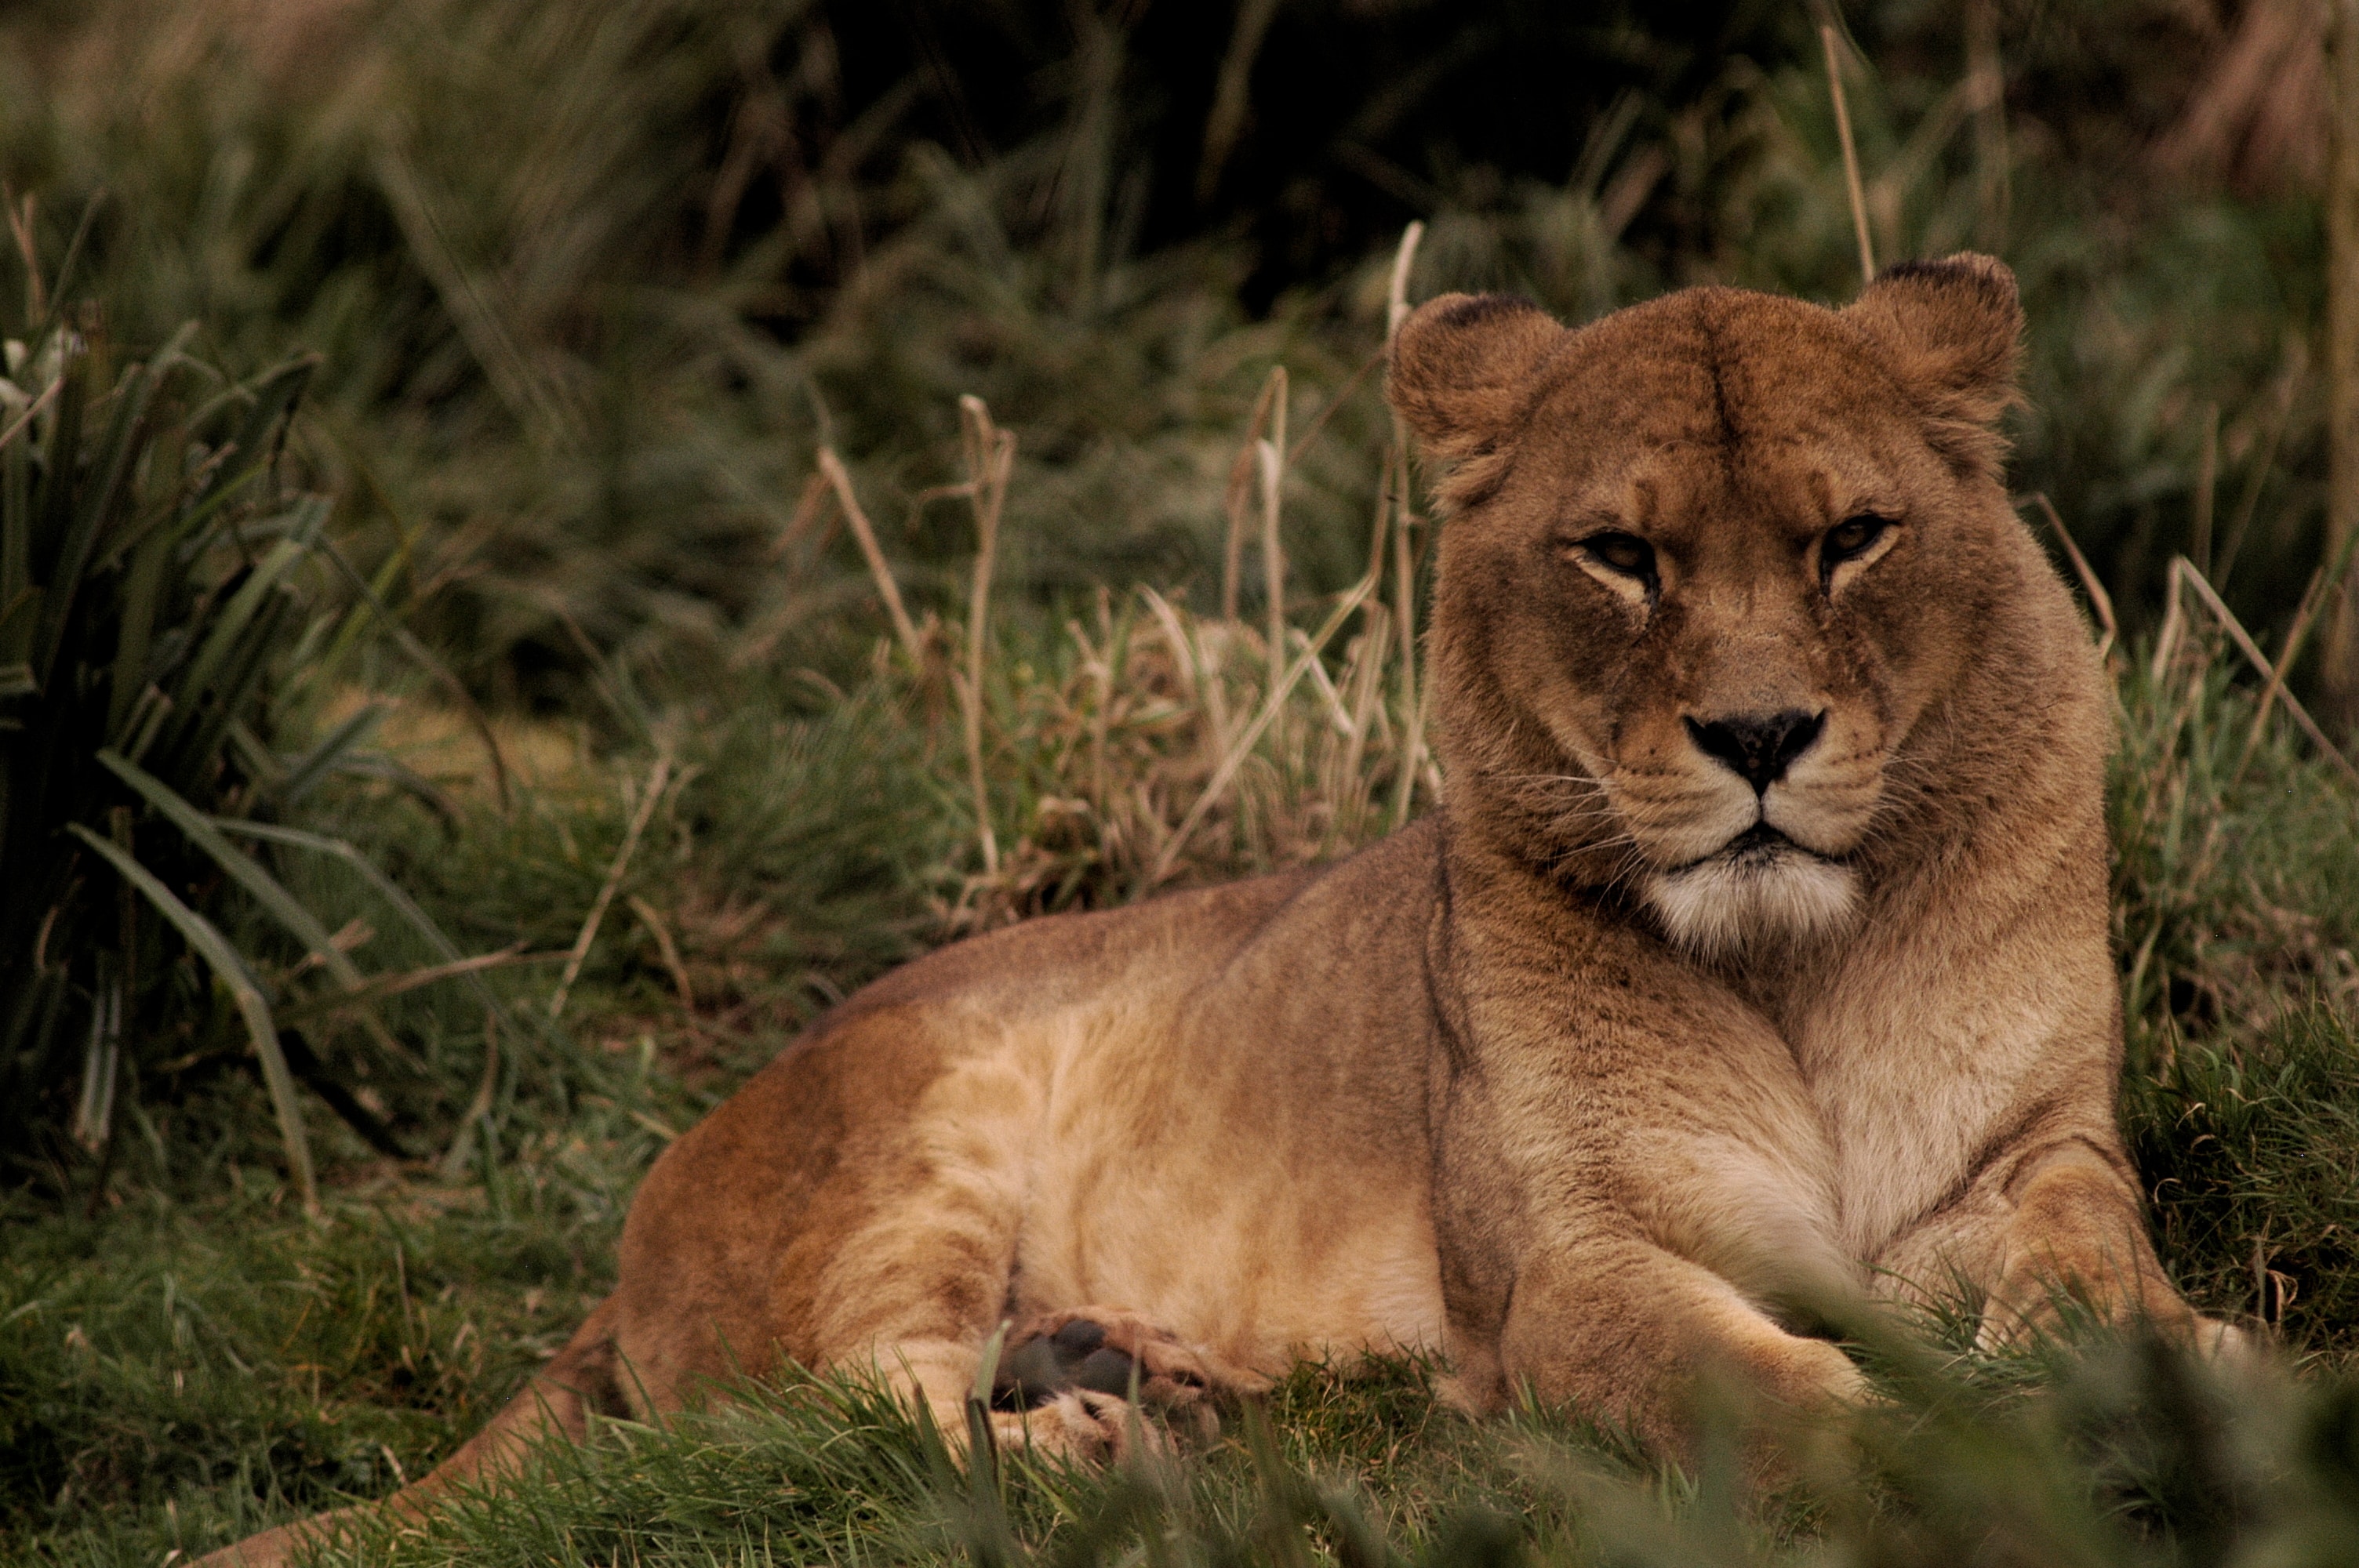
(1912, 1083)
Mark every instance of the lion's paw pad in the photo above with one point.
(1106, 1351)
(1076, 1357)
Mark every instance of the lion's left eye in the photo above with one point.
(1850, 539)
(1624, 553)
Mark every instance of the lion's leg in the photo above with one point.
(917, 1292)
(1623, 1330)
(2059, 1222)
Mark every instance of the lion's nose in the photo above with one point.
(1760, 747)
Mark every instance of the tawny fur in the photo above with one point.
(1551, 1083)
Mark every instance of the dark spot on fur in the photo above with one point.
(1080, 1336)
(1075, 1356)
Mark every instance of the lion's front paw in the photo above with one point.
(1108, 1353)
(2224, 1344)
(2013, 1321)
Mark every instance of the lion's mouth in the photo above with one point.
(1759, 848)
(1761, 884)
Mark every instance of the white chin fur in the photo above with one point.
(1717, 908)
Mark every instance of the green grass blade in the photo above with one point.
(34, 1019)
(230, 969)
(386, 887)
(123, 443)
(261, 763)
(386, 770)
(201, 744)
(226, 645)
(52, 506)
(143, 587)
(18, 593)
(408, 643)
(83, 510)
(240, 612)
(275, 393)
(420, 922)
(318, 762)
(243, 868)
(193, 521)
(63, 281)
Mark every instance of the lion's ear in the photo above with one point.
(1462, 366)
(1954, 331)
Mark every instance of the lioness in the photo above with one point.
(1757, 952)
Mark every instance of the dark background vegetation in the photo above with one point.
(592, 284)
(543, 654)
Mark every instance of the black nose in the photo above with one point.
(1759, 746)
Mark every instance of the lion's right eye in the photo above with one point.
(1848, 541)
(1624, 553)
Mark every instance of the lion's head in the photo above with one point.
(1715, 567)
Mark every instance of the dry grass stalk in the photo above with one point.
(2099, 601)
(2184, 575)
(1850, 155)
(1987, 81)
(1130, 773)
(1394, 486)
(454, 1164)
(990, 460)
(2304, 616)
(2207, 482)
(1271, 707)
(1270, 458)
(1239, 498)
(2281, 417)
(1232, 95)
(886, 589)
(809, 507)
(17, 425)
(1170, 747)
(659, 782)
(2320, 593)
(2340, 677)
(667, 950)
(1361, 593)
(1397, 291)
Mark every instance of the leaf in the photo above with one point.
(313, 765)
(142, 587)
(248, 871)
(266, 889)
(386, 889)
(231, 971)
(230, 655)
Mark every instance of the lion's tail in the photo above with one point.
(584, 1378)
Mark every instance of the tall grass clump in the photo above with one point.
(1148, 744)
(164, 586)
(2237, 920)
